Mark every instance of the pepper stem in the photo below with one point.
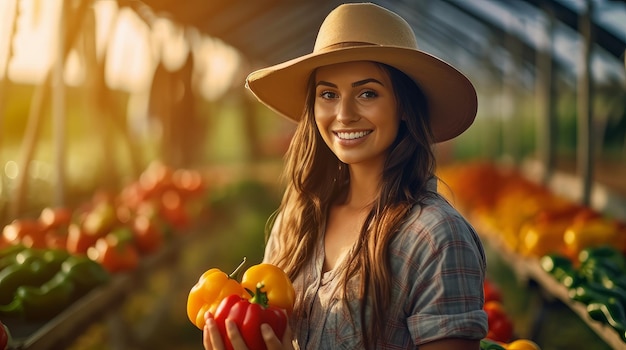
(259, 297)
(233, 275)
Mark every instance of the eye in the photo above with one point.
(368, 94)
(328, 95)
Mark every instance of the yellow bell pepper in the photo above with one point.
(276, 284)
(591, 233)
(212, 286)
(522, 344)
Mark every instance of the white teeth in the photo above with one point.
(352, 135)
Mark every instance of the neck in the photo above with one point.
(364, 186)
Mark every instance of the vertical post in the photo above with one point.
(5, 66)
(545, 121)
(584, 106)
(3, 88)
(251, 129)
(35, 114)
(511, 133)
(58, 112)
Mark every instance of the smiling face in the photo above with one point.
(355, 111)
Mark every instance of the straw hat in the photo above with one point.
(368, 32)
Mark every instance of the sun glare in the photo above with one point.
(129, 60)
(218, 65)
(129, 45)
(7, 14)
(36, 40)
(170, 43)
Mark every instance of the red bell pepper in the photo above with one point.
(248, 315)
(147, 234)
(115, 251)
(5, 336)
(500, 325)
(492, 292)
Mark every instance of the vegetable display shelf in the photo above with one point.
(101, 304)
(550, 285)
(529, 268)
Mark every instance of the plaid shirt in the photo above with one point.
(438, 268)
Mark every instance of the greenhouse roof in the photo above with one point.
(463, 32)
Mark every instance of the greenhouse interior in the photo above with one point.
(133, 160)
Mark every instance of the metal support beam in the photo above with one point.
(544, 90)
(584, 161)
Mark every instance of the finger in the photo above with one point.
(288, 338)
(206, 337)
(211, 339)
(235, 337)
(271, 340)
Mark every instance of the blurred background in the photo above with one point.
(95, 94)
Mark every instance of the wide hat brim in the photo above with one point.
(452, 100)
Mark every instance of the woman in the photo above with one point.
(378, 259)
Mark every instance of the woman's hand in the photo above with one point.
(212, 339)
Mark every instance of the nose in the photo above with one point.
(347, 113)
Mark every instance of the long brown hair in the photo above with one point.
(315, 178)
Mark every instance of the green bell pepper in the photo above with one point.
(605, 252)
(561, 268)
(8, 260)
(610, 312)
(30, 269)
(604, 271)
(42, 283)
(487, 344)
(593, 292)
(11, 250)
(84, 273)
(55, 257)
(14, 309)
(8, 255)
(40, 303)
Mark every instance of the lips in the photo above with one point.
(352, 135)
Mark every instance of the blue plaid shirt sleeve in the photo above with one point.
(439, 266)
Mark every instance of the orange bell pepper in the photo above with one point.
(212, 286)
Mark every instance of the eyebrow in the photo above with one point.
(355, 84)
